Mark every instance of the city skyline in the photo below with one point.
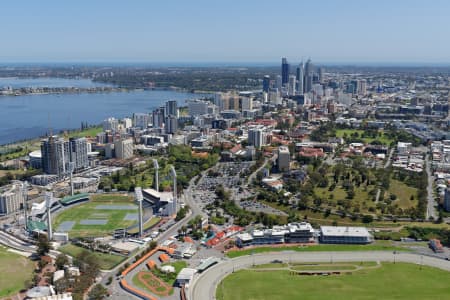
(404, 32)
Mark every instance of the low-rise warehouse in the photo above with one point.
(345, 235)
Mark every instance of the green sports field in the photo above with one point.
(14, 271)
(100, 209)
(399, 281)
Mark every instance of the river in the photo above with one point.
(30, 116)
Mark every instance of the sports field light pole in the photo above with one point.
(48, 202)
(25, 198)
(139, 198)
(71, 169)
(156, 166)
(175, 196)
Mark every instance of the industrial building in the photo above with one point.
(345, 235)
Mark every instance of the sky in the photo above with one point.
(192, 31)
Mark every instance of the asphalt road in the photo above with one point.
(204, 285)
(431, 205)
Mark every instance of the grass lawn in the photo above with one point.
(403, 193)
(91, 132)
(115, 218)
(14, 271)
(106, 261)
(391, 281)
(383, 138)
(378, 246)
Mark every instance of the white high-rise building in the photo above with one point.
(279, 82)
(300, 76)
(111, 124)
(292, 84)
(124, 149)
(198, 107)
(283, 160)
(141, 120)
(361, 88)
(127, 123)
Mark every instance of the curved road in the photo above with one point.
(204, 285)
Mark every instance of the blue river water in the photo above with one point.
(31, 116)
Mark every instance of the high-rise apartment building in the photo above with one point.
(11, 198)
(256, 137)
(158, 117)
(124, 149)
(111, 124)
(141, 120)
(172, 108)
(171, 124)
(198, 107)
(78, 153)
(55, 155)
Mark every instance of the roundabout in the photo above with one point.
(244, 279)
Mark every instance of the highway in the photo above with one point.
(204, 285)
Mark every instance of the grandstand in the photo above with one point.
(74, 199)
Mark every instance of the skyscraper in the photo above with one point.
(55, 155)
(78, 153)
(266, 83)
(292, 83)
(284, 71)
(309, 73)
(321, 71)
(300, 76)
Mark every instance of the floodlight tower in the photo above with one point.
(174, 177)
(139, 198)
(156, 166)
(71, 169)
(25, 198)
(48, 202)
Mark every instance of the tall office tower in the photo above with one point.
(309, 73)
(361, 87)
(158, 117)
(279, 83)
(199, 107)
(124, 148)
(283, 160)
(292, 84)
(55, 155)
(266, 83)
(171, 124)
(256, 137)
(78, 153)
(321, 71)
(300, 76)
(246, 103)
(284, 71)
(141, 120)
(218, 100)
(172, 108)
(111, 124)
(11, 198)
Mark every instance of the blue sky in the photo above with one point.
(395, 31)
